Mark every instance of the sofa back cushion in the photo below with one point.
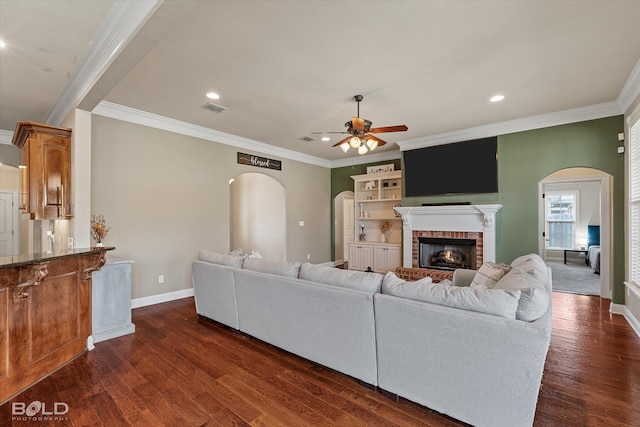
(368, 282)
(498, 302)
(534, 300)
(273, 267)
(223, 259)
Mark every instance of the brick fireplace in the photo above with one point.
(450, 222)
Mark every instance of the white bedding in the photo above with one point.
(593, 258)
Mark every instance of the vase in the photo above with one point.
(383, 238)
(99, 245)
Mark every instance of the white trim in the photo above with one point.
(575, 115)
(631, 89)
(624, 311)
(160, 298)
(119, 27)
(368, 158)
(120, 112)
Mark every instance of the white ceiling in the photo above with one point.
(285, 69)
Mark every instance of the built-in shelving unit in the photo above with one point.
(375, 196)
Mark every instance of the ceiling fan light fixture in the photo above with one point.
(372, 144)
(354, 142)
(362, 149)
(345, 147)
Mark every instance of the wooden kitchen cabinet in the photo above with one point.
(46, 161)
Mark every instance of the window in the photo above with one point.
(634, 202)
(561, 213)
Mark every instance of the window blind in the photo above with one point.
(634, 201)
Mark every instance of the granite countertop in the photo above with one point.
(35, 258)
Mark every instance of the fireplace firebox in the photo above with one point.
(446, 254)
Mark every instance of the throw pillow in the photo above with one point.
(488, 274)
(368, 282)
(497, 302)
(534, 300)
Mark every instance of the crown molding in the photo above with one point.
(127, 114)
(590, 112)
(121, 24)
(368, 158)
(6, 136)
(631, 89)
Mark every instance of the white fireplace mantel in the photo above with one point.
(469, 218)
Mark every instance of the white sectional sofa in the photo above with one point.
(474, 349)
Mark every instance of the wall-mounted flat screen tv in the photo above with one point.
(460, 168)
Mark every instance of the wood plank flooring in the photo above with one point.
(179, 370)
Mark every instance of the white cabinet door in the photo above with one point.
(386, 258)
(360, 256)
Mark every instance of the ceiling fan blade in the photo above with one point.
(381, 142)
(342, 141)
(357, 123)
(398, 128)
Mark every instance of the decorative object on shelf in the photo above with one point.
(360, 133)
(366, 214)
(363, 234)
(99, 229)
(381, 168)
(370, 185)
(384, 226)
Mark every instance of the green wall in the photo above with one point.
(524, 159)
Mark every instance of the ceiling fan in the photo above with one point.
(360, 133)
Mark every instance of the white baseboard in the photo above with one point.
(160, 298)
(622, 310)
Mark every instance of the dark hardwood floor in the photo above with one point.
(179, 370)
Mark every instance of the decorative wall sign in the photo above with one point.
(261, 162)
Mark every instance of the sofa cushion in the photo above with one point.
(498, 302)
(533, 265)
(273, 267)
(488, 274)
(223, 259)
(534, 298)
(369, 282)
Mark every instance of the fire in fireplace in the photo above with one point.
(446, 254)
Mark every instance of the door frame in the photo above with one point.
(606, 222)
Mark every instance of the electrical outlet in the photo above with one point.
(161, 278)
(308, 256)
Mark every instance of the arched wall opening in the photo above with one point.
(258, 215)
(594, 189)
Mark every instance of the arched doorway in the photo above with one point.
(591, 192)
(258, 215)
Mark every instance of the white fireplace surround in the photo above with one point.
(454, 218)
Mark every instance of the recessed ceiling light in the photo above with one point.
(213, 95)
(326, 138)
(496, 98)
(2, 43)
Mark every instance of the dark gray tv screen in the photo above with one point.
(467, 167)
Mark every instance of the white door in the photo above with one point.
(348, 223)
(8, 223)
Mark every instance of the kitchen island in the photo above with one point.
(45, 313)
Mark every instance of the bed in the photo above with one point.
(593, 247)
